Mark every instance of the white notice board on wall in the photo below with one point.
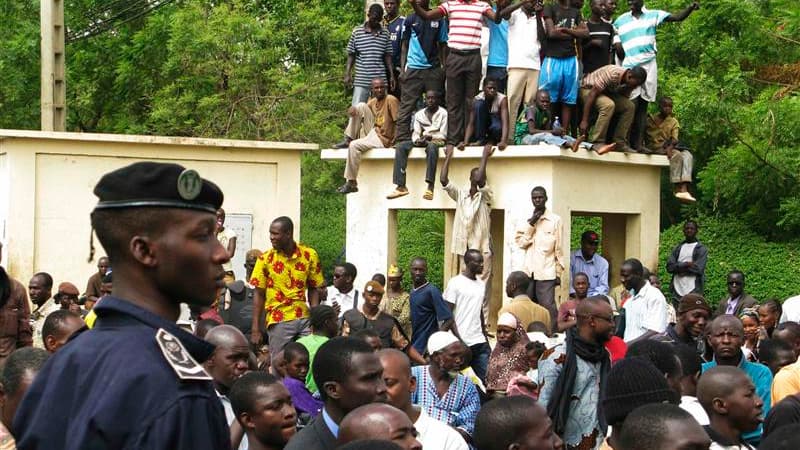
(242, 225)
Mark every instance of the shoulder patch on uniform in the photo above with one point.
(178, 358)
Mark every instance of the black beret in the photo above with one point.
(151, 184)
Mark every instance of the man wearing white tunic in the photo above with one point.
(687, 264)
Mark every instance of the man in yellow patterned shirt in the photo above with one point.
(281, 278)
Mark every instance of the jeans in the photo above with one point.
(488, 126)
(549, 138)
(480, 359)
(401, 162)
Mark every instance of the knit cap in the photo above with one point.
(633, 382)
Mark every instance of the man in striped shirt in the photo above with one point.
(463, 65)
(635, 44)
(370, 51)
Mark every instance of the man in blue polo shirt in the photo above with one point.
(635, 44)
(726, 337)
(586, 260)
(429, 312)
(420, 71)
(497, 62)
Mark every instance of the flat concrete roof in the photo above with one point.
(164, 140)
(517, 151)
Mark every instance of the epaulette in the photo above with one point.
(178, 358)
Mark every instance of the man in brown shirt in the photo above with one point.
(374, 124)
(608, 88)
(15, 313)
(95, 283)
(521, 306)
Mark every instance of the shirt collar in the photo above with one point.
(110, 306)
(579, 254)
(332, 426)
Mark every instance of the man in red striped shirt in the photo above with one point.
(463, 65)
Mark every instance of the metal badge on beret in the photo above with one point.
(189, 184)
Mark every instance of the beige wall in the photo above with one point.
(624, 188)
(51, 176)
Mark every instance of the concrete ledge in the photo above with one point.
(517, 151)
(161, 140)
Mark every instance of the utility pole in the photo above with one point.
(53, 87)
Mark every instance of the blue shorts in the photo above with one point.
(559, 77)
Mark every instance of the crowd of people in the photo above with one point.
(281, 359)
(549, 76)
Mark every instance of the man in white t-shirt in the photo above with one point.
(399, 386)
(646, 311)
(687, 264)
(791, 310)
(342, 296)
(524, 25)
(227, 238)
(464, 294)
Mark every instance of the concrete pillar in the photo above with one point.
(53, 81)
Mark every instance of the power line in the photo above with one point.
(102, 24)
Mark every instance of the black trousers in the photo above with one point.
(414, 83)
(462, 77)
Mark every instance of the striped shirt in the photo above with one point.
(465, 23)
(607, 79)
(458, 407)
(369, 50)
(638, 35)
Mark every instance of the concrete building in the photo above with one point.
(622, 189)
(46, 182)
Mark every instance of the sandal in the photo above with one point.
(428, 195)
(397, 193)
(347, 188)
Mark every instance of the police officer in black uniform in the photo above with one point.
(135, 380)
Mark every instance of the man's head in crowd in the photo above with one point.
(473, 262)
(264, 409)
(665, 106)
(373, 294)
(371, 337)
(543, 100)
(379, 88)
(203, 326)
(611, 8)
(635, 76)
(664, 358)
(775, 354)
(107, 284)
(18, 374)
(391, 8)
(489, 88)
(379, 421)
(281, 232)
(636, 6)
(512, 423)
(691, 367)
(598, 7)
(295, 361)
(589, 242)
(539, 198)
(103, 265)
(374, 15)
(580, 282)
(517, 283)
(789, 332)
(419, 271)
(158, 255)
(654, 281)
(379, 278)
(769, 313)
(690, 231)
(632, 274)
(446, 352)
(40, 288)
(343, 276)
(693, 315)
(662, 427)
(58, 327)
(220, 219)
(729, 397)
(432, 100)
(348, 374)
(632, 382)
(230, 358)
(726, 335)
(397, 376)
(595, 319)
(250, 259)
(324, 321)
(735, 283)
(66, 295)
